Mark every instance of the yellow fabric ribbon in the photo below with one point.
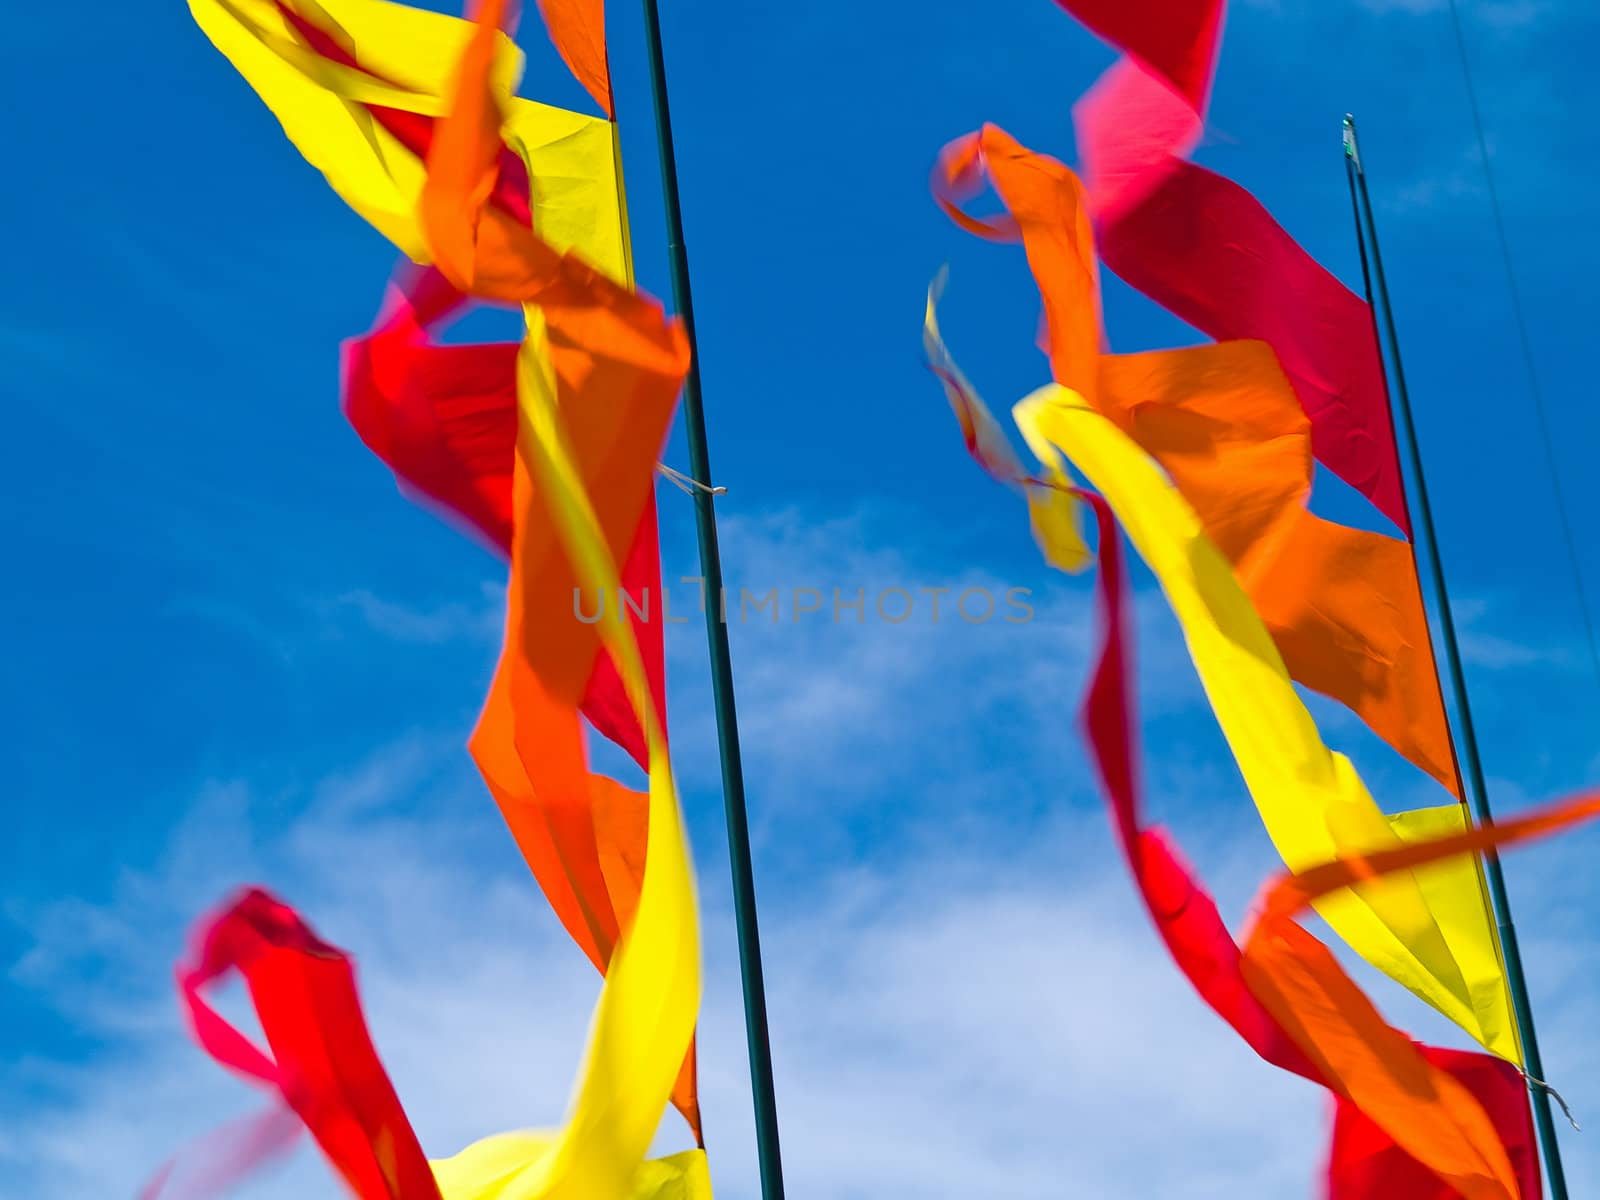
(487, 1169)
(1052, 511)
(646, 1013)
(407, 59)
(1428, 930)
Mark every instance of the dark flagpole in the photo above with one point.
(705, 520)
(1466, 736)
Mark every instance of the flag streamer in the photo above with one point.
(1343, 604)
(370, 136)
(1051, 509)
(324, 1075)
(1441, 1102)
(410, 116)
(578, 29)
(326, 1068)
(1434, 938)
(444, 420)
(1205, 249)
(1219, 421)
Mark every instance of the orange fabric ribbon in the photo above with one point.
(1429, 1114)
(578, 29)
(1343, 604)
(1264, 996)
(618, 363)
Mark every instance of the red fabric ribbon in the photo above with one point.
(322, 1065)
(1206, 250)
(1176, 40)
(1364, 1162)
(414, 131)
(444, 419)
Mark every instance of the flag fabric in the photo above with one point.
(1206, 250)
(1220, 423)
(1344, 604)
(359, 87)
(323, 1075)
(1051, 508)
(1437, 940)
(410, 117)
(578, 29)
(443, 418)
(1365, 1160)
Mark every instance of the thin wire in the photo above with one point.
(1541, 1084)
(1534, 388)
(1494, 877)
(687, 484)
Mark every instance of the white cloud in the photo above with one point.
(941, 1027)
(875, 699)
(1483, 627)
(965, 999)
(444, 623)
(1500, 15)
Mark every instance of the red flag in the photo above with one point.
(1365, 1163)
(444, 418)
(322, 1063)
(1206, 250)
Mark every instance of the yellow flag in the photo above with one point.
(371, 53)
(1052, 511)
(486, 1170)
(1428, 930)
(646, 1013)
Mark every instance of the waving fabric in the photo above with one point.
(326, 1068)
(358, 86)
(1312, 802)
(578, 28)
(616, 364)
(439, 416)
(409, 115)
(1050, 505)
(1206, 250)
(1366, 1161)
(444, 420)
(1343, 604)
(581, 478)
(1222, 424)
(323, 1064)
(321, 1067)
(1220, 421)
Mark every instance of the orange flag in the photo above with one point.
(1344, 605)
(578, 28)
(583, 835)
(617, 362)
(1430, 1115)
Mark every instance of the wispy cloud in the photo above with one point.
(950, 1025)
(1440, 188)
(947, 1027)
(1485, 634)
(965, 998)
(876, 718)
(433, 626)
(1501, 15)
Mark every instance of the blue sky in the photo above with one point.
(239, 655)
